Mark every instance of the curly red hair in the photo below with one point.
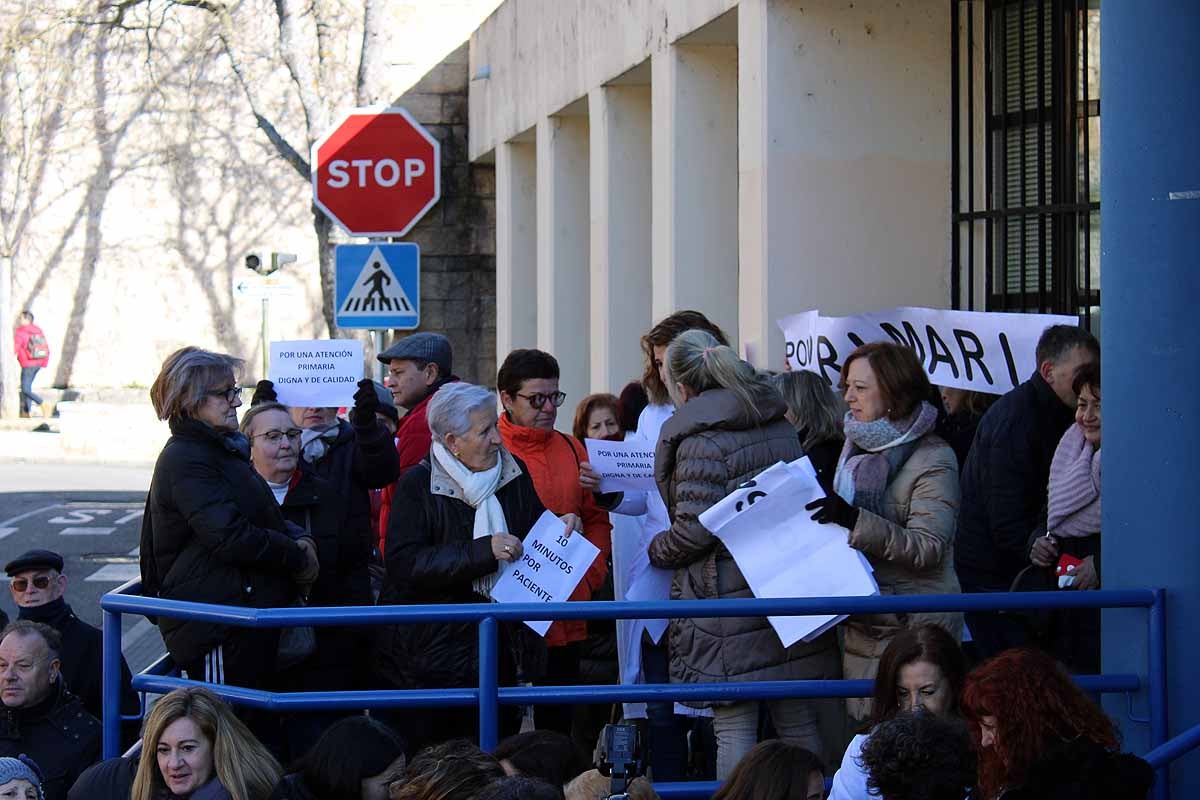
(1036, 706)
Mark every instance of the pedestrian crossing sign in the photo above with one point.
(377, 286)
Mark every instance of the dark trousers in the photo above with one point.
(666, 733)
(27, 395)
(562, 669)
(993, 632)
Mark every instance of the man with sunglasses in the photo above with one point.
(38, 586)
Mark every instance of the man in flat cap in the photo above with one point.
(38, 584)
(418, 365)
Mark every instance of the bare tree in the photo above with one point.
(36, 92)
(317, 43)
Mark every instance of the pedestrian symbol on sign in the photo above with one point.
(376, 291)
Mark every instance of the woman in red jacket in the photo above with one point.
(528, 383)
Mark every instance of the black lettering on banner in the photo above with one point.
(854, 338)
(751, 499)
(827, 357)
(910, 338)
(935, 356)
(975, 354)
(1008, 359)
(789, 350)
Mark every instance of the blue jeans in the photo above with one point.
(27, 395)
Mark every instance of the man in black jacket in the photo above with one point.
(38, 585)
(1004, 480)
(40, 718)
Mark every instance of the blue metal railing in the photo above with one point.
(489, 696)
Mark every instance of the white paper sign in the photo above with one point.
(782, 552)
(988, 352)
(548, 571)
(623, 466)
(320, 373)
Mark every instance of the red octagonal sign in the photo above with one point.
(377, 172)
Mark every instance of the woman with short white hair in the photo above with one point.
(455, 517)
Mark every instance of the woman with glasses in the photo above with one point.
(213, 531)
(313, 504)
(528, 383)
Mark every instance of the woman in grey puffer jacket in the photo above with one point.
(729, 427)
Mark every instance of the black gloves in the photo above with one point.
(833, 509)
(264, 392)
(366, 403)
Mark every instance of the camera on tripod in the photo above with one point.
(620, 759)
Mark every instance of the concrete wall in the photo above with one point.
(797, 153)
(458, 236)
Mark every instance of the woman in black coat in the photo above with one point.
(212, 532)
(454, 518)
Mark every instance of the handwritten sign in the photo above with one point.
(782, 552)
(549, 569)
(320, 373)
(989, 352)
(623, 466)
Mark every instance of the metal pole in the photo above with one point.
(266, 348)
(380, 367)
(110, 684)
(489, 683)
(1158, 687)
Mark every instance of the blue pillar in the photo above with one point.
(1150, 244)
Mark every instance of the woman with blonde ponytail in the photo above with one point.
(194, 748)
(728, 427)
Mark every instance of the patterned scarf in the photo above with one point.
(315, 441)
(1074, 489)
(874, 451)
(479, 492)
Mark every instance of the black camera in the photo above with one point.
(620, 758)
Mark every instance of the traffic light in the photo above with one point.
(265, 263)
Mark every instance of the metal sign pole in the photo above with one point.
(266, 347)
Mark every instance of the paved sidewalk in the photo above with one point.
(50, 448)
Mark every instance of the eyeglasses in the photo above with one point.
(229, 394)
(538, 400)
(22, 584)
(275, 437)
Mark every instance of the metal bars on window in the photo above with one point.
(1025, 156)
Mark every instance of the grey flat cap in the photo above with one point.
(423, 347)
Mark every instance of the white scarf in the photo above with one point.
(316, 440)
(479, 492)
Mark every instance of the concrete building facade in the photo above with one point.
(749, 159)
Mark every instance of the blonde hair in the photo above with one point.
(697, 360)
(186, 378)
(591, 785)
(241, 763)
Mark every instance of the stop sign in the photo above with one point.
(377, 172)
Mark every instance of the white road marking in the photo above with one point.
(29, 514)
(115, 573)
(7, 532)
(77, 517)
(86, 531)
(130, 516)
(130, 637)
(1189, 195)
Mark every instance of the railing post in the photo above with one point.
(1158, 687)
(110, 685)
(489, 683)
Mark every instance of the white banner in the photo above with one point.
(549, 569)
(320, 373)
(782, 552)
(988, 352)
(626, 466)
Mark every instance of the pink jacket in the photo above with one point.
(21, 337)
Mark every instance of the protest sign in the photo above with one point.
(623, 466)
(549, 569)
(990, 352)
(321, 373)
(782, 552)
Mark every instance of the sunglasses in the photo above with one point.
(538, 400)
(22, 584)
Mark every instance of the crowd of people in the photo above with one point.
(427, 485)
